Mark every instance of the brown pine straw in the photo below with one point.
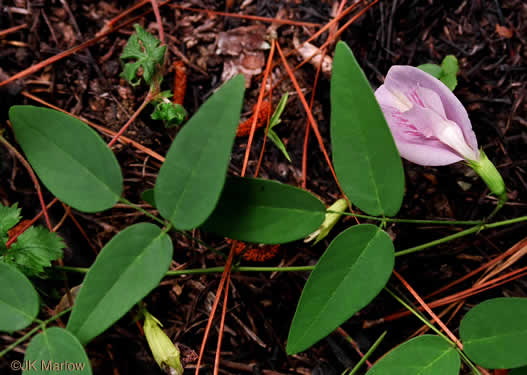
(258, 106)
(425, 307)
(38, 66)
(476, 289)
(245, 16)
(224, 277)
(12, 30)
(310, 117)
(102, 129)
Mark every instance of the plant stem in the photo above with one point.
(419, 316)
(410, 221)
(147, 100)
(200, 271)
(466, 232)
(368, 354)
(468, 362)
(41, 325)
(141, 209)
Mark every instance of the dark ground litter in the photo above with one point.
(492, 85)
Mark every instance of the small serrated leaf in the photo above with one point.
(9, 217)
(148, 52)
(34, 250)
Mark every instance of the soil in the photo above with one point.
(489, 38)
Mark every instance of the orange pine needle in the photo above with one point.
(429, 310)
(258, 107)
(102, 129)
(245, 16)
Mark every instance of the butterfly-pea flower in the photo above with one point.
(429, 124)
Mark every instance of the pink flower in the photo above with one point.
(429, 124)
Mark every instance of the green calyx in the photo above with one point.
(488, 172)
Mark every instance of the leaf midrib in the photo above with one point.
(70, 157)
(332, 295)
(130, 265)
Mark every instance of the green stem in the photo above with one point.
(432, 327)
(440, 241)
(141, 209)
(419, 316)
(466, 232)
(368, 354)
(158, 220)
(41, 325)
(468, 362)
(410, 221)
(200, 271)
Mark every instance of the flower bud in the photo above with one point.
(165, 352)
(329, 222)
(488, 172)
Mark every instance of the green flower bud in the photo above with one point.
(488, 172)
(165, 352)
(329, 222)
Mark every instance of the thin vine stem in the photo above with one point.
(419, 316)
(200, 271)
(41, 325)
(410, 221)
(368, 354)
(466, 232)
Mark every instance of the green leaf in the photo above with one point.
(126, 270)
(9, 217)
(432, 69)
(34, 250)
(275, 118)
(450, 65)
(191, 179)
(423, 355)
(56, 351)
(146, 49)
(171, 114)
(278, 143)
(494, 333)
(366, 160)
(69, 157)
(262, 211)
(352, 271)
(148, 197)
(18, 299)
(450, 81)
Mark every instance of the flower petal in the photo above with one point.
(408, 78)
(415, 138)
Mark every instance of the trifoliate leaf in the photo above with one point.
(34, 250)
(146, 49)
(9, 217)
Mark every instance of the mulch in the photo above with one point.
(489, 38)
